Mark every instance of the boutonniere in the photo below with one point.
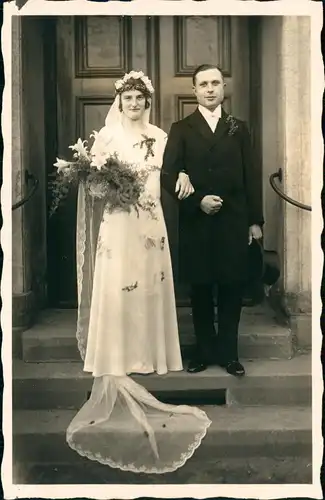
(233, 125)
(147, 142)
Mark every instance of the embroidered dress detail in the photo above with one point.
(147, 142)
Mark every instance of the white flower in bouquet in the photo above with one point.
(62, 166)
(97, 189)
(81, 151)
(95, 135)
(97, 154)
(98, 160)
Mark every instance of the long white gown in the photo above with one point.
(127, 324)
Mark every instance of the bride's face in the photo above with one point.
(133, 104)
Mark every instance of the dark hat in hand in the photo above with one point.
(263, 265)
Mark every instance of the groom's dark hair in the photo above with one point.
(205, 67)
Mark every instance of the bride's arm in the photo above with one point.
(173, 175)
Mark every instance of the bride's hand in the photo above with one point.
(184, 187)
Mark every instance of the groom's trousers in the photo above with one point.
(223, 347)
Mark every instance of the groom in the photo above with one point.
(218, 221)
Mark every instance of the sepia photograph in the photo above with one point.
(161, 196)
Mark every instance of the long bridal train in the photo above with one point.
(122, 425)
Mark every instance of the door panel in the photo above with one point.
(168, 49)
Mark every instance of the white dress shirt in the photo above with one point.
(211, 118)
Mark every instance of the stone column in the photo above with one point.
(22, 305)
(28, 154)
(295, 101)
(272, 134)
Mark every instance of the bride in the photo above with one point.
(127, 319)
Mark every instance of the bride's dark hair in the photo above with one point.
(134, 84)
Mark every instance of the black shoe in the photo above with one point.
(196, 366)
(235, 368)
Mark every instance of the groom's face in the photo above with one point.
(209, 88)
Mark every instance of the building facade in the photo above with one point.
(63, 73)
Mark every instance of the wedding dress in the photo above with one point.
(127, 323)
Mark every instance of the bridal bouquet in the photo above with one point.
(105, 177)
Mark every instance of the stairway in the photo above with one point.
(261, 428)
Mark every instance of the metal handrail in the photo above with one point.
(35, 185)
(278, 175)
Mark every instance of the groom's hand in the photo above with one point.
(183, 187)
(211, 204)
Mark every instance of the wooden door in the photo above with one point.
(168, 49)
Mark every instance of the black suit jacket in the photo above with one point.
(213, 247)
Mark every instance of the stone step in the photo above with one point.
(236, 434)
(248, 470)
(267, 382)
(53, 339)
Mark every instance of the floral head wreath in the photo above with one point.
(135, 80)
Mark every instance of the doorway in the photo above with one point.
(85, 64)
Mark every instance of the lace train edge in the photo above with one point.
(130, 467)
